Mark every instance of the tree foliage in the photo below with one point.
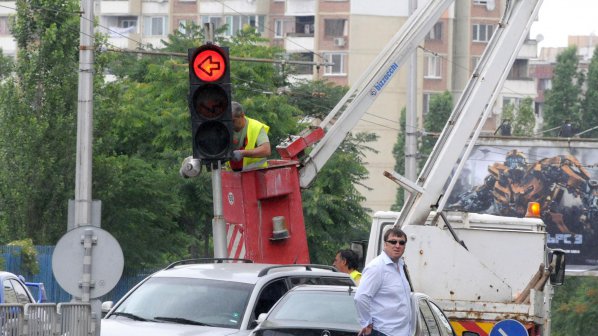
(521, 117)
(590, 103)
(398, 151)
(563, 100)
(441, 106)
(38, 111)
(575, 307)
(141, 134)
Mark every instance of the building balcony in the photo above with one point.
(114, 7)
(520, 88)
(529, 50)
(294, 44)
(300, 7)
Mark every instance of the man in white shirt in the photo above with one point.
(383, 298)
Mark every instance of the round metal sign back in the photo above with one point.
(107, 261)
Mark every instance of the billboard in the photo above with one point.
(502, 175)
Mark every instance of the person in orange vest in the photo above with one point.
(251, 145)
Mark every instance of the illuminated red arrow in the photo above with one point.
(209, 66)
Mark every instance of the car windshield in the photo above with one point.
(188, 301)
(315, 306)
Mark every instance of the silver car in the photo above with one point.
(209, 298)
(330, 311)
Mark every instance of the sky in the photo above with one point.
(560, 18)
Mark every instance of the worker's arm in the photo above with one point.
(260, 151)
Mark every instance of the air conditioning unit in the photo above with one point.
(339, 41)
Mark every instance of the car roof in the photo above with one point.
(249, 273)
(323, 288)
(4, 274)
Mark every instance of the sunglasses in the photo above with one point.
(394, 242)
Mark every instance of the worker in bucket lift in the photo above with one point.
(251, 145)
(346, 261)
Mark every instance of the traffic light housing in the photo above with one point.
(210, 103)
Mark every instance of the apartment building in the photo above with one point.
(347, 33)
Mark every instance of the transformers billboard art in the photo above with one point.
(503, 180)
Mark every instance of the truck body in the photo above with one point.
(494, 271)
(499, 269)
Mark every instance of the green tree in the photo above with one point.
(142, 128)
(441, 106)
(525, 119)
(522, 118)
(398, 151)
(38, 111)
(6, 65)
(332, 205)
(575, 307)
(563, 100)
(590, 103)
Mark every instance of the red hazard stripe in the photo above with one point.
(472, 326)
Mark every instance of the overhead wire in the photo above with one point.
(266, 27)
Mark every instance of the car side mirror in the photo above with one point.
(106, 306)
(558, 263)
(262, 317)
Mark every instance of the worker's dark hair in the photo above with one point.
(350, 257)
(394, 231)
(237, 109)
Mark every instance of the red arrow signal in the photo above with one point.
(209, 65)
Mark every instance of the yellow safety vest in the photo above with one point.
(253, 130)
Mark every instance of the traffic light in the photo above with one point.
(210, 103)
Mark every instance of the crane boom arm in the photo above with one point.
(364, 92)
(472, 109)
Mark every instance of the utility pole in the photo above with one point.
(411, 114)
(83, 200)
(84, 117)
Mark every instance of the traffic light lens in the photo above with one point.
(210, 101)
(212, 139)
(209, 65)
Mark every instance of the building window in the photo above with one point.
(426, 102)
(475, 60)
(304, 26)
(155, 25)
(4, 30)
(301, 69)
(335, 28)
(432, 66)
(339, 64)
(236, 22)
(482, 32)
(518, 70)
(278, 28)
(545, 84)
(183, 24)
(436, 32)
(216, 21)
(127, 23)
(511, 101)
